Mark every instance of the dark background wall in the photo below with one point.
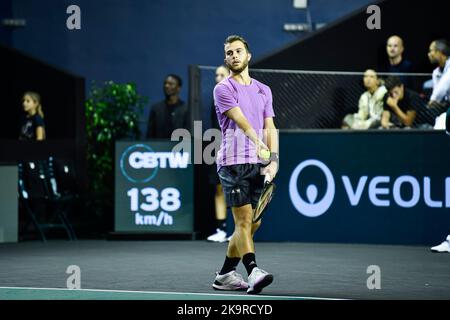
(63, 97)
(58, 91)
(348, 45)
(5, 12)
(142, 41)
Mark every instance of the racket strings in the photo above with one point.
(264, 200)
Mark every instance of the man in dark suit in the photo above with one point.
(169, 114)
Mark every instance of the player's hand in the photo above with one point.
(271, 169)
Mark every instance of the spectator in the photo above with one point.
(32, 123)
(439, 54)
(396, 63)
(440, 98)
(398, 110)
(169, 114)
(219, 199)
(370, 106)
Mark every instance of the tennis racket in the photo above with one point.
(264, 199)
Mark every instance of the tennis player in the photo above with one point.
(245, 114)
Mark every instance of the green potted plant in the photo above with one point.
(112, 113)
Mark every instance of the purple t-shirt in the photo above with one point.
(255, 101)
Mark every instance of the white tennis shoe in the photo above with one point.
(219, 236)
(232, 281)
(257, 280)
(443, 247)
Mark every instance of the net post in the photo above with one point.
(194, 94)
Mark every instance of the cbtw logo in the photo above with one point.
(377, 191)
(140, 164)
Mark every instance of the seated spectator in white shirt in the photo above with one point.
(370, 106)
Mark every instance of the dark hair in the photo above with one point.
(234, 37)
(391, 82)
(443, 46)
(176, 77)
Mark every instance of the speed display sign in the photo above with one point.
(153, 188)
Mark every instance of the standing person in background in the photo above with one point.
(32, 123)
(219, 199)
(396, 63)
(439, 53)
(171, 113)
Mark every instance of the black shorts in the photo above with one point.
(242, 184)
(213, 178)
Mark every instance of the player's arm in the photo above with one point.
(271, 138)
(241, 121)
(271, 135)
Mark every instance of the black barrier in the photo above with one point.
(361, 187)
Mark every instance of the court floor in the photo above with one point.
(185, 270)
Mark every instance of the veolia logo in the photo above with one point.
(311, 207)
(381, 191)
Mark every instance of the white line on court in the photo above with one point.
(174, 293)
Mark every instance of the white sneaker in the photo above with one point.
(229, 281)
(443, 247)
(257, 280)
(219, 236)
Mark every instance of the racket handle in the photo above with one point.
(267, 178)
